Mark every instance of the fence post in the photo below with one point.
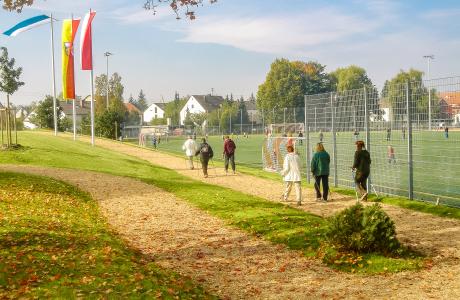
(263, 120)
(409, 141)
(307, 139)
(116, 131)
(284, 120)
(334, 140)
(315, 121)
(366, 126)
(241, 121)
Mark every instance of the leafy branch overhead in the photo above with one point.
(177, 6)
(16, 5)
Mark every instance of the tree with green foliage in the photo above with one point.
(350, 78)
(9, 84)
(44, 117)
(141, 102)
(172, 110)
(394, 93)
(109, 121)
(287, 82)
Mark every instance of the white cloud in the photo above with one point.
(286, 34)
(136, 15)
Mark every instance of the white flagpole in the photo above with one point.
(74, 113)
(92, 84)
(53, 71)
(74, 120)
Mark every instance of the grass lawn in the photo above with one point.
(436, 161)
(273, 221)
(55, 244)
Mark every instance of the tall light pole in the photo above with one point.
(428, 59)
(107, 54)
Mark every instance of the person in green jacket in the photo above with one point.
(320, 169)
(362, 167)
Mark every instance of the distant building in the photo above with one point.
(253, 114)
(200, 104)
(81, 110)
(132, 108)
(154, 111)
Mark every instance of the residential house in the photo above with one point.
(253, 114)
(81, 110)
(154, 111)
(200, 104)
(452, 99)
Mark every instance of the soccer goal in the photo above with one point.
(274, 150)
(286, 128)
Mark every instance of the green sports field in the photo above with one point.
(436, 166)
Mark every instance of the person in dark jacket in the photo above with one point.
(229, 154)
(320, 170)
(362, 167)
(205, 152)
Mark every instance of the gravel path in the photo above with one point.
(236, 265)
(227, 261)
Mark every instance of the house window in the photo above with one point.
(155, 110)
(192, 106)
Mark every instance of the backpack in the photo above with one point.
(206, 150)
(231, 147)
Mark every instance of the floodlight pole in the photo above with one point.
(107, 54)
(428, 59)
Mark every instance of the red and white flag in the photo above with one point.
(86, 43)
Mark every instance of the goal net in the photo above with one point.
(274, 150)
(287, 128)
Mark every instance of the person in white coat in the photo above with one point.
(291, 174)
(190, 148)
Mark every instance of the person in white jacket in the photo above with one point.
(291, 174)
(190, 148)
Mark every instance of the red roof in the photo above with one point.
(452, 98)
(132, 108)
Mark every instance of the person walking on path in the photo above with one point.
(446, 132)
(362, 168)
(229, 154)
(205, 152)
(321, 136)
(190, 148)
(320, 169)
(291, 174)
(300, 136)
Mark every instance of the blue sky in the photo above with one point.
(231, 44)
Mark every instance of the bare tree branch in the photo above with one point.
(177, 5)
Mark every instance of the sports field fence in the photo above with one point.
(410, 129)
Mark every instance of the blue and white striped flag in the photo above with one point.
(27, 24)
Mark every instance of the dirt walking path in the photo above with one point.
(431, 235)
(229, 262)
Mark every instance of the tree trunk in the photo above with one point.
(8, 121)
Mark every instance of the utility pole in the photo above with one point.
(107, 54)
(428, 59)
